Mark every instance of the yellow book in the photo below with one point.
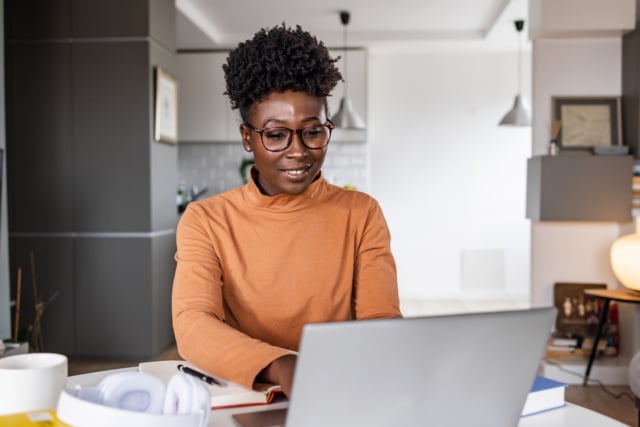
(40, 418)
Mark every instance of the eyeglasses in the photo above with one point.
(277, 139)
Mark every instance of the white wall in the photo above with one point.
(576, 252)
(571, 251)
(447, 177)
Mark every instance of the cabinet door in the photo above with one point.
(356, 84)
(204, 111)
(579, 188)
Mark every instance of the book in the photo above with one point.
(545, 394)
(226, 395)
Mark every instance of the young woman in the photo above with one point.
(256, 263)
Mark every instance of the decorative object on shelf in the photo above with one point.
(553, 143)
(625, 256)
(577, 313)
(33, 333)
(635, 190)
(588, 122)
(518, 115)
(611, 150)
(577, 319)
(166, 107)
(346, 117)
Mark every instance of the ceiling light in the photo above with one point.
(518, 115)
(346, 117)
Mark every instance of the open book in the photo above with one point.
(226, 395)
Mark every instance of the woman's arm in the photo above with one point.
(202, 336)
(375, 281)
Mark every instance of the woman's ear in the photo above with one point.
(245, 132)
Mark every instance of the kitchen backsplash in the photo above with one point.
(216, 166)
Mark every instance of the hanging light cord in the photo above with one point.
(344, 17)
(519, 25)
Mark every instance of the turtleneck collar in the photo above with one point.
(282, 202)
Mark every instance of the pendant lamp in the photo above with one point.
(346, 117)
(518, 115)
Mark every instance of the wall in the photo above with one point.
(5, 321)
(91, 195)
(576, 252)
(450, 180)
(216, 165)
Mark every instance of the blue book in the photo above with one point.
(545, 394)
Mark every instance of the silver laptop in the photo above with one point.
(466, 369)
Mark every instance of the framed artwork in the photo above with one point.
(166, 107)
(578, 313)
(587, 122)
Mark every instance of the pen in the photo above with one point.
(204, 377)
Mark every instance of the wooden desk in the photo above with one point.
(570, 415)
(608, 295)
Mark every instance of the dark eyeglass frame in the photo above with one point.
(329, 124)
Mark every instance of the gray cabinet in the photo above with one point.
(579, 188)
(204, 112)
(91, 195)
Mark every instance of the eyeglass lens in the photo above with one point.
(279, 138)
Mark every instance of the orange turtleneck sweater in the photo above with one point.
(252, 270)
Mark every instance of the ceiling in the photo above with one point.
(219, 24)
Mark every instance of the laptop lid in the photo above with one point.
(464, 369)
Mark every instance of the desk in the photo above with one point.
(608, 295)
(571, 415)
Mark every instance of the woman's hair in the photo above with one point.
(276, 60)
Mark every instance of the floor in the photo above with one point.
(614, 401)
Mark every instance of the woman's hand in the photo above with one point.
(280, 372)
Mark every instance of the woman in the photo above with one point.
(256, 263)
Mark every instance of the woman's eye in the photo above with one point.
(312, 132)
(276, 134)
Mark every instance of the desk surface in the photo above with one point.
(571, 415)
(621, 295)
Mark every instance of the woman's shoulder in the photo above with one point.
(350, 197)
(216, 203)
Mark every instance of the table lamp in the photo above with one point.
(625, 262)
(625, 259)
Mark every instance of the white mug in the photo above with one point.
(31, 381)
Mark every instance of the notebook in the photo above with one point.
(464, 369)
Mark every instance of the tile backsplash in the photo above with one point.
(216, 166)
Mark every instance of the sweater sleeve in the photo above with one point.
(375, 281)
(202, 336)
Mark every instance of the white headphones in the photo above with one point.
(137, 399)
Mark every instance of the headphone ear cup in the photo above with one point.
(186, 395)
(132, 391)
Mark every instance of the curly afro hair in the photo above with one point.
(276, 60)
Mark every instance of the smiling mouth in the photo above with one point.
(297, 173)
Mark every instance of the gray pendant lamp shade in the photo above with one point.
(518, 115)
(346, 117)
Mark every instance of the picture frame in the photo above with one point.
(587, 122)
(165, 107)
(578, 313)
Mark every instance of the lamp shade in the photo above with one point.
(625, 259)
(518, 115)
(346, 117)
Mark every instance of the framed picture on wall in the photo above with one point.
(587, 122)
(166, 107)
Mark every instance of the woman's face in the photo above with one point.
(292, 170)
